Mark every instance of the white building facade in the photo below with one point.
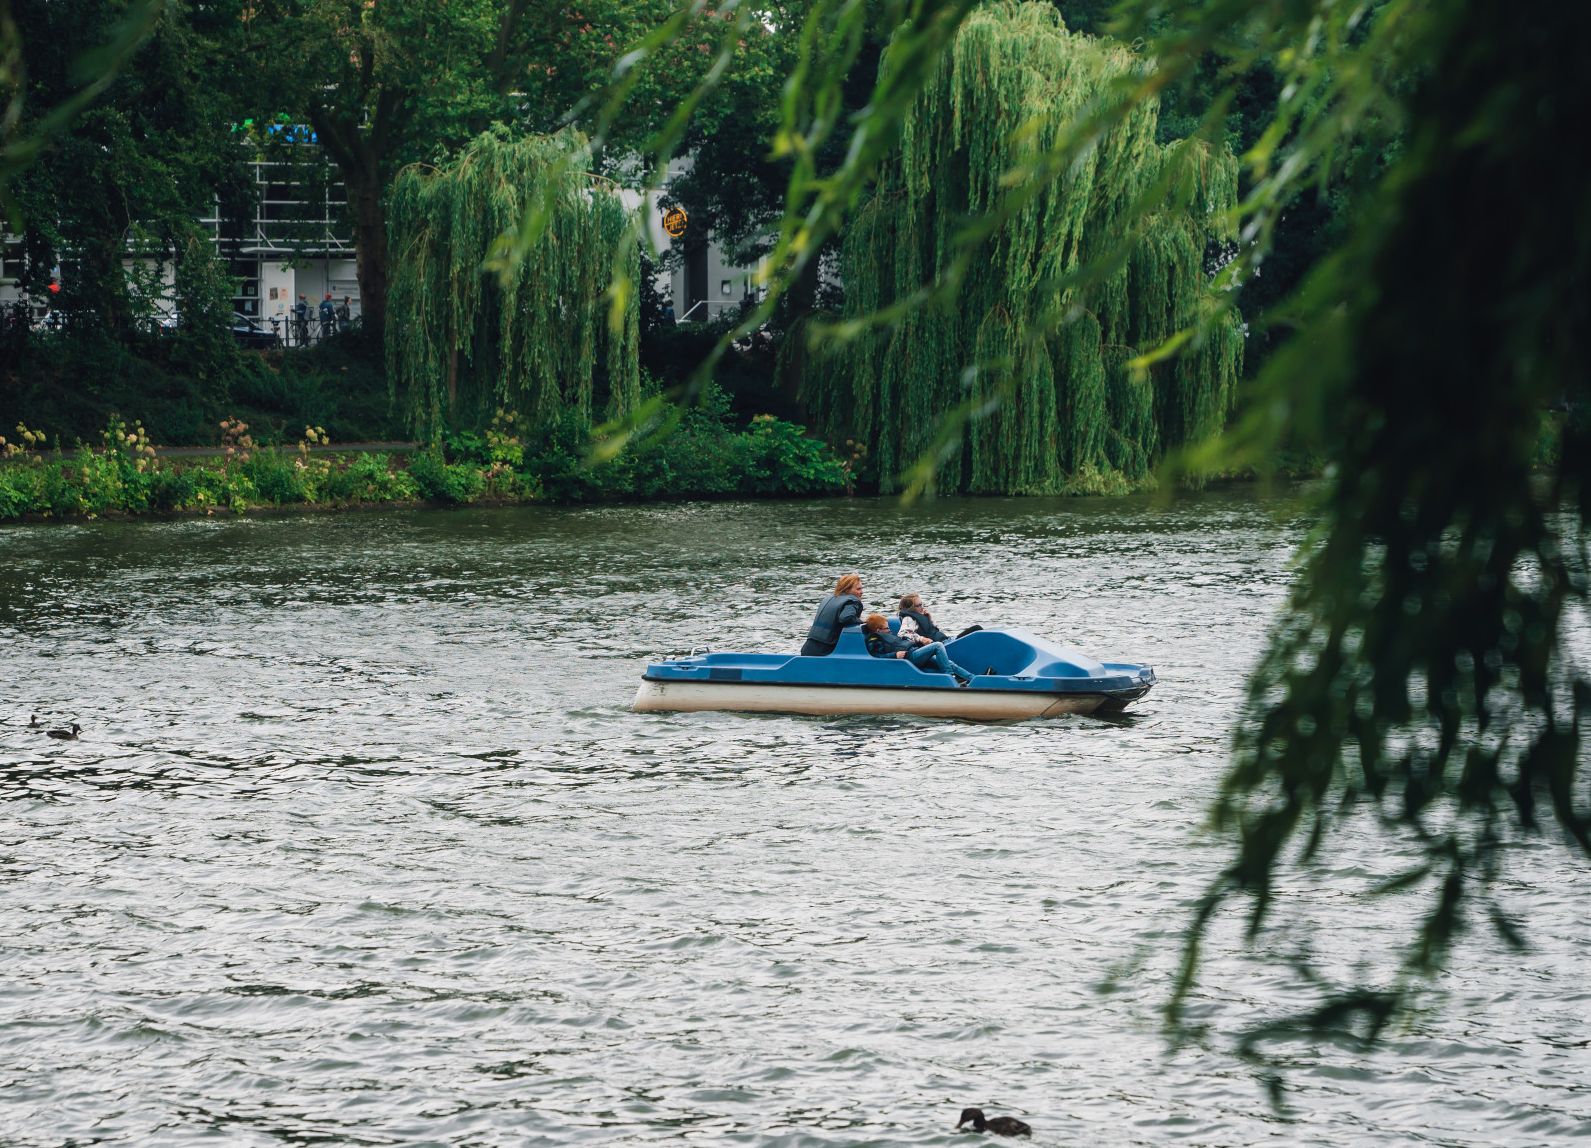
(295, 243)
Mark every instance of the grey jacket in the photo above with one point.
(837, 612)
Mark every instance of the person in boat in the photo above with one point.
(915, 619)
(927, 655)
(841, 609)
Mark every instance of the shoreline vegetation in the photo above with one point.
(128, 477)
(704, 457)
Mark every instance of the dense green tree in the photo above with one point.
(31, 119)
(733, 184)
(1051, 349)
(735, 187)
(537, 341)
(132, 175)
(139, 166)
(385, 85)
(381, 85)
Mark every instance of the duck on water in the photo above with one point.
(37, 726)
(999, 1125)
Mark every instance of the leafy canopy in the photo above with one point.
(536, 340)
(1089, 272)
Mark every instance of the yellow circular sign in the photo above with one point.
(674, 221)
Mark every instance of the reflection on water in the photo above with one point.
(361, 844)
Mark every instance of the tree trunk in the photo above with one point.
(370, 238)
(359, 156)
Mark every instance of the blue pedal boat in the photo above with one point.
(1020, 675)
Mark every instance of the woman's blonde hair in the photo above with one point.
(848, 584)
(876, 622)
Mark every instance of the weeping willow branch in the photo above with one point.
(1422, 685)
(536, 338)
(817, 202)
(1091, 265)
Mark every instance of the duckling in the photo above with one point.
(33, 722)
(1000, 1125)
(64, 734)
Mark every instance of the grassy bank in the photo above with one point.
(705, 457)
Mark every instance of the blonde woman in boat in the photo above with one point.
(840, 609)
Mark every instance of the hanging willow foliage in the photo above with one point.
(537, 339)
(1039, 344)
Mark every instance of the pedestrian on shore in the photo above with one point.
(301, 319)
(328, 317)
(345, 315)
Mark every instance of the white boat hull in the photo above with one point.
(984, 705)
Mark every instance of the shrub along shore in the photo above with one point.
(703, 457)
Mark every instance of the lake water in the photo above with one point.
(361, 844)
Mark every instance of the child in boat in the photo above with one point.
(915, 619)
(926, 655)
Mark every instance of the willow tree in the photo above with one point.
(538, 337)
(1077, 285)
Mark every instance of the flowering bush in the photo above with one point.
(703, 457)
(236, 442)
(27, 440)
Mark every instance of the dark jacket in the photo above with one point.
(837, 612)
(886, 645)
(925, 625)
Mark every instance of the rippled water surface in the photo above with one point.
(362, 845)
